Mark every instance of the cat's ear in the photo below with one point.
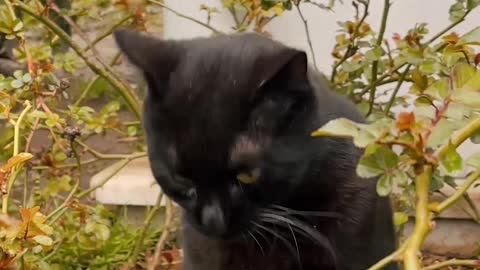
(287, 63)
(153, 56)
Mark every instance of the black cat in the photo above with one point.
(228, 122)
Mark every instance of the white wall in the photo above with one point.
(289, 28)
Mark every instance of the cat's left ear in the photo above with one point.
(285, 63)
(153, 56)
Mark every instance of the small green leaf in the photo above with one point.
(452, 161)
(132, 131)
(374, 54)
(351, 66)
(438, 89)
(18, 26)
(441, 132)
(469, 98)
(43, 240)
(472, 37)
(474, 161)
(457, 11)
(27, 78)
(473, 84)
(384, 185)
(376, 160)
(60, 156)
(462, 73)
(400, 218)
(16, 84)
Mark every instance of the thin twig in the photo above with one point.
(163, 238)
(158, 3)
(307, 33)
(381, 33)
(108, 32)
(144, 230)
(397, 88)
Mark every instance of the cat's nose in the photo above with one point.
(213, 219)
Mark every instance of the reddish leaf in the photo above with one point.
(405, 120)
(477, 59)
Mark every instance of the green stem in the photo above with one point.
(381, 33)
(108, 32)
(395, 91)
(16, 147)
(123, 89)
(307, 33)
(87, 89)
(459, 137)
(422, 220)
(387, 260)
(458, 193)
(146, 226)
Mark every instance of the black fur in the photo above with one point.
(219, 107)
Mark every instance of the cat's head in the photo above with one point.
(217, 113)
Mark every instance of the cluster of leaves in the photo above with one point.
(48, 220)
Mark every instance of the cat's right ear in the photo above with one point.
(153, 56)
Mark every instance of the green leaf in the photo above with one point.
(441, 132)
(60, 156)
(469, 98)
(471, 4)
(472, 37)
(463, 72)
(438, 89)
(451, 161)
(400, 218)
(18, 26)
(16, 84)
(132, 131)
(27, 78)
(473, 84)
(376, 160)
(351, 66)
(457, 111)
(457, 11)
(43, 240)
(384, 185)
(474, 161)
(374, 54)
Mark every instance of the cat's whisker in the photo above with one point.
(304, 229)
(256, 240)
(295, 240)
(281, 238)
(256, 230)
(306, 213)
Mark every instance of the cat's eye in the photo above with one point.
(249, 177)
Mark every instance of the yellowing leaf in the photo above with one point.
(33, 223)
(16, 160)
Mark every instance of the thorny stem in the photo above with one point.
(123, 89)
(185, 16)
(307, 33)
(395, 91)
(453, 262)
(16, 146)
(383, 26)
(422, 220)
(163, 238)
(146, 226)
